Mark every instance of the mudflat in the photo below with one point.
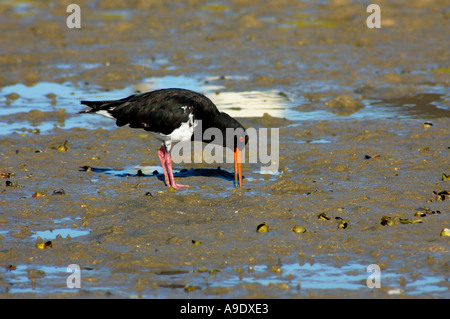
(364, 125)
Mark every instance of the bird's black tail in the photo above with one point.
(96, 106)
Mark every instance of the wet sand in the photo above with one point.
(134, 238)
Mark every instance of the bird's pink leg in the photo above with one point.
(162, 158)
(170, 173)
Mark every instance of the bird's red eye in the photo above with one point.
(241, 139)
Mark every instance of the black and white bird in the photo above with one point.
(172, 116)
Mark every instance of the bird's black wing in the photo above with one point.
(158, 111)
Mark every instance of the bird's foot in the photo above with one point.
(178, 186)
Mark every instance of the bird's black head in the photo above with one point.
(235, 136)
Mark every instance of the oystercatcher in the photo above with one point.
(172, 115)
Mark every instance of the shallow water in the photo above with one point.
(298, 280)
(237, 104)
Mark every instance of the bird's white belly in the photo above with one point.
(180, 134)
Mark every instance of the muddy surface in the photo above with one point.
(351, 104)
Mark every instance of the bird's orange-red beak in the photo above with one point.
(238, 168)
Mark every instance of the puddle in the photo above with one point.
(25, 279)
(157, 172)
(54, 233)
(226, 174)
(428, 105)
(236, 104)
(302, 279)
(61, 229)
(307, 276)
(38, 279)
(352, 276)
(70, 68)
(130, 171)
(319, 141)
(60, 103)
(293, 279)
(63, 232)
(47, 105)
